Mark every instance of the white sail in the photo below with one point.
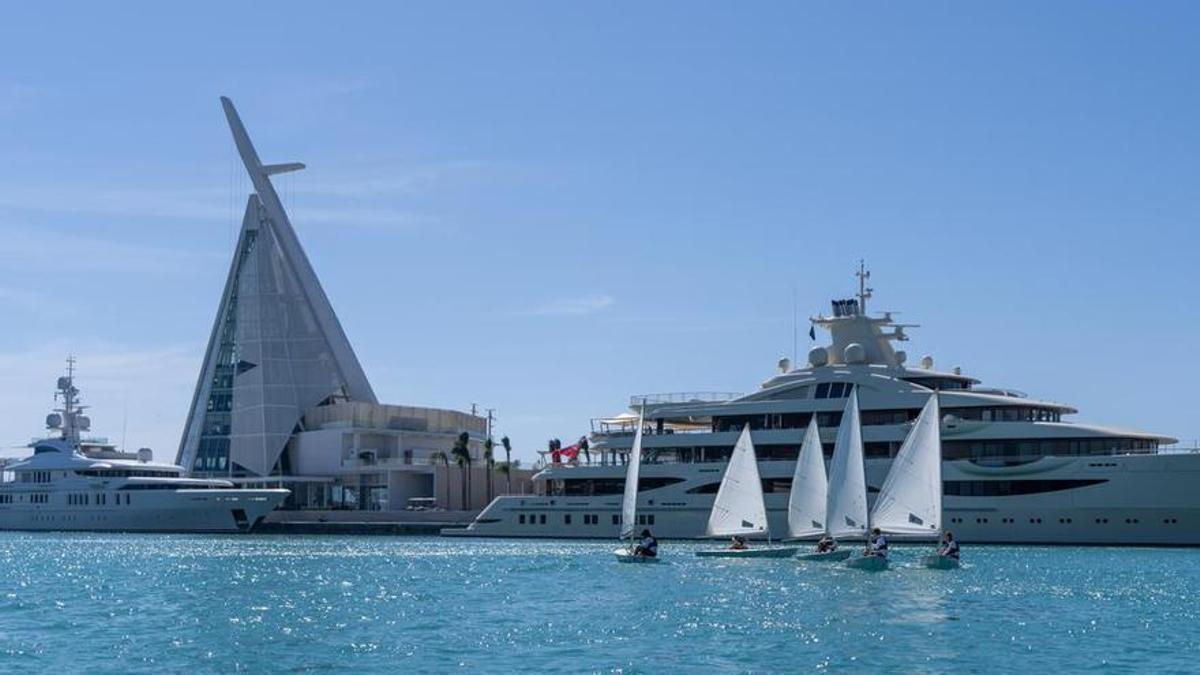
(629, 504)
(910, 501)
(739, 508)
(806, 503)
(846, 504)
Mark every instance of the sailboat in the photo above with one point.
(846, 500)
(807, 500)
(629, 503)
(909, 504)
(739, 509)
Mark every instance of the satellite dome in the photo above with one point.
(84, 422)
(927, 362)
(64, 382)
(818, 356)
(145, 455)
(785, 365)
(855, 353)
(53, 421)
(901, 357)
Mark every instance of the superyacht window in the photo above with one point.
(834, 389)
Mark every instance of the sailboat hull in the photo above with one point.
(940, 562)
(868, 563)
(773, 552)
(828, 556)
(626, 556)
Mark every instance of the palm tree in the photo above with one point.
(489, 459)
(439, 456)
(506, 468)
(507, 462)
(462, 456)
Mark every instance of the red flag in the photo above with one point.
(571, 451)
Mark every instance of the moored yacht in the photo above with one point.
(73, 483)
(1014, 470)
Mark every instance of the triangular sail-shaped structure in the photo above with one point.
(910, 501)
(276, 348)
(846, 506)
(806, 502)
(739, 508)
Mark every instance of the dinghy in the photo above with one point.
(868, 563)
(940, 562)
(828, 556)
(806, 502)
(739, 509)
(768, 552)
(910, 501)
(626, 555)
(629, 503)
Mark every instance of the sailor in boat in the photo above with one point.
(878, 546)
(949, 546)
(738, 543)
(827, 544)
(648, 546)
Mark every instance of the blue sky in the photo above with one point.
(547, 207)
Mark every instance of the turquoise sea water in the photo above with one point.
(129, 603)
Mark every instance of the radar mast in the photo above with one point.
(70, 420)
(864, 291)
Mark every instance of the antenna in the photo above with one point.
(795, 328)
(864, 292)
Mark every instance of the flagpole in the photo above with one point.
(795, 329)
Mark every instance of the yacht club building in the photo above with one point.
(282, 398)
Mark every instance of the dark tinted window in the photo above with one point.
(1003, 488)
(612, 486)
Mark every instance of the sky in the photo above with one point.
(546, 208)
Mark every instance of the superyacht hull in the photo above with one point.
(1119, 500)
(215, 511)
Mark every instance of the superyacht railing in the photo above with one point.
(684, 397)
(606, 428)
(617, 457)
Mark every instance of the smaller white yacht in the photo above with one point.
(70, 483)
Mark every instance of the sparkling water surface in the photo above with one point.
(154, 603)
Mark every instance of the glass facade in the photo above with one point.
(212, 455)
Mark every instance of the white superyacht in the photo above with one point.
(1014, 470)
(73, 483)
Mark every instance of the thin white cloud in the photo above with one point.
(140, 394)
(388, 180)
(318, 204)
(16, 95)
(38, 249)
(27, 300)
(580, 306)
(198, 203)
(359, 217)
